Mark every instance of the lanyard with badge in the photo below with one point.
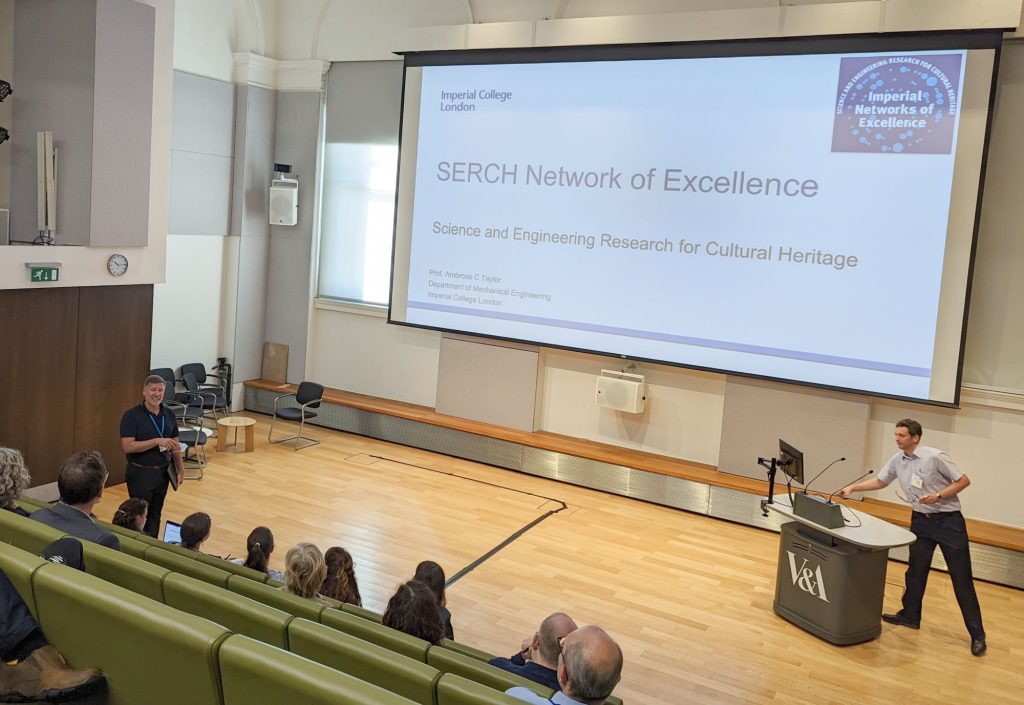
(159, 429)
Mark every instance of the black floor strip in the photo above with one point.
(562, 506)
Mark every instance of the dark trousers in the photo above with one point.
(948, 531)
(149, 484)
(19, 633)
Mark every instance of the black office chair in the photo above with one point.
(213, 395)
(208, 396)
(307, 397)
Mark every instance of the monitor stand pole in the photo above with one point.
(772, 464)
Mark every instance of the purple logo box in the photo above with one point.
(897, 104)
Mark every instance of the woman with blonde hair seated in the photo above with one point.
(304, 571)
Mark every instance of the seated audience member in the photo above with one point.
(432, 575)
(131, 514)
(340, 583)
(195, 529)
(65, 551)
(589, 667)
(14, 477)
(40, 674)
(258, 548)
(304, 571)
(538, 661)
(80, 483)
(413, 610)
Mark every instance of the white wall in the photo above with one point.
(87, 266)
(361, 353)
(682, 418)
(193, 311)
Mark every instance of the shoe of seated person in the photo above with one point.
(46, 676)
(902, 620)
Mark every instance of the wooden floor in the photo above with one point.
(688, 598)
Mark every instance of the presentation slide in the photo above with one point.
(780, 216)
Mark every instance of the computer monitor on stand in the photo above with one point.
(791, 461)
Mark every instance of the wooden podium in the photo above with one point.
(831, 581)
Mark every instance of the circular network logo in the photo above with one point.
(897, 104)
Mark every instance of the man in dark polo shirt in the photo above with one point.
(149, 437)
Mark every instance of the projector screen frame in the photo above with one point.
(987, 39)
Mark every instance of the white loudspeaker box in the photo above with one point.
(621, 391)
(284, 201)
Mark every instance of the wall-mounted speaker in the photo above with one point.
(284, 201)
(621, 391)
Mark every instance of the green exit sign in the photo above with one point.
(44, 274)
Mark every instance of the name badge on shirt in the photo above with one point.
(916, 482)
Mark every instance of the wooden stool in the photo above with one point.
(237, 422)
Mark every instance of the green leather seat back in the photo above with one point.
(119, 530)
(26, 502)
(232, 568)
(149, 652)
(187, 566)
(19, 566)
(363, 612)
(133, 547)
(378, 634)
(25, 533)
(456, 690)
(239, 614)
(448, 661)
(29, 505)
(374, 664)
(252, 673)
(128, 572)
(466, 650)
(280, 599)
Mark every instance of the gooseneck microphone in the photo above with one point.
(849, 483)
(808, 485)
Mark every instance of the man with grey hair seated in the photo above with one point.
(589, 667)
(80, 482)
(538, 659)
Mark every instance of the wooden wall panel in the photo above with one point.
(115, 325)
(38, 345)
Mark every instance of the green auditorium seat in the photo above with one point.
(213, 561)
(126, 571)
(232, 568)
(448, 661)
(466, 650)
(363, 612)
(285, 601)
(30, 505)
(239, 614)
(456, 690)
(149, 652)
(18, 566)
(378, 634)
(25, 533)
(119, 530)
(133, 547)
(252, 672)
(187, 565)
(374, 664)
